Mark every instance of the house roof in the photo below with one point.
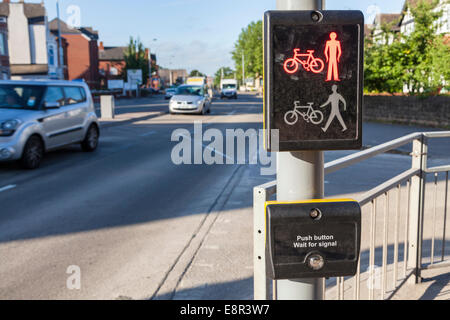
(31, 10)
(34, 10)
(112, 53)
(391, 19)
(387, 18)
(66, 29)
(413, 3)
(53, 26)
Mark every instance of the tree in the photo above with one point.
(136, 58)
(223, 73)
(423, 74)
(419, 60)
(250, 45)
(383, 71)
(196, 73)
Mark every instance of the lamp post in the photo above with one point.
(61, 50)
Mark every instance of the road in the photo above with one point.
(133, 221)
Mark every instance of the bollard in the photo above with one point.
(107, 107)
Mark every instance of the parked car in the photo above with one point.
(39, 116)
(190, 99)
(170, 92)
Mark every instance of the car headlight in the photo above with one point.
(8, 127)
(199, 102)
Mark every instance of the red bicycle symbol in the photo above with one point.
(307, 60)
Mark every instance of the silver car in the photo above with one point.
(39, 116)
(190, 99)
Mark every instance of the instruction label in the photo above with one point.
(315, 241)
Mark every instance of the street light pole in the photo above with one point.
(61, 50)
(300, 176)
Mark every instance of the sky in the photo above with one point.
(188, 34)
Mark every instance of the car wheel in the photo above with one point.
(33, 152)
(90, 142)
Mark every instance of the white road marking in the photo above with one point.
(9, 187)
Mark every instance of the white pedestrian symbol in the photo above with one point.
(334, 100)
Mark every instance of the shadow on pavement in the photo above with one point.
(233, 290)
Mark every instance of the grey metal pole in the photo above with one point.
(61, 50)
(300, 176)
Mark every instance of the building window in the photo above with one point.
(3, 51)
(51, 56)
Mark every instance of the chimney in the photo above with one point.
(101, 47)
(6, 1)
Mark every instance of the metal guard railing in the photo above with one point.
(404, 259)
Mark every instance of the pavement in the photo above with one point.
(140, 227)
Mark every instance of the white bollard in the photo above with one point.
(107, 107)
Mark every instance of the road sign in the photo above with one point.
(135, 76)
(313, 63)
(312, 239)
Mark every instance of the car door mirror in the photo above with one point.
(52, 105)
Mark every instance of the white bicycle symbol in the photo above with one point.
(315, 116)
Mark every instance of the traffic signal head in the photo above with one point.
(313, 78)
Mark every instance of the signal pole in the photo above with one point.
(300, 176)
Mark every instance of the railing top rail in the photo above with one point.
(369, 153)
(437, 134)
(386, 186)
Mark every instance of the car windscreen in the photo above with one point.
(229, 86)
(21, 96)
(190, 90)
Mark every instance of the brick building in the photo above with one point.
(111, 62)
(81, 54)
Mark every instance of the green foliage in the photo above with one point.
(136, 58)
(228, 73)
(196, 73)
(251, 45)
(419, 60)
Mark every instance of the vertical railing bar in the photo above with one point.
(274, 290)
(324, 289)
(405, 248)
(421, 227)
(445, 216)
(372, 250)
(385, 241)
(434, 217)
(338, 287)
(357, 279)
(396, 234)
(342, 283)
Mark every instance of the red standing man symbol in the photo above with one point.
(333, 54)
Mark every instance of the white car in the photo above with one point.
(190, 99)
(39, 116)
